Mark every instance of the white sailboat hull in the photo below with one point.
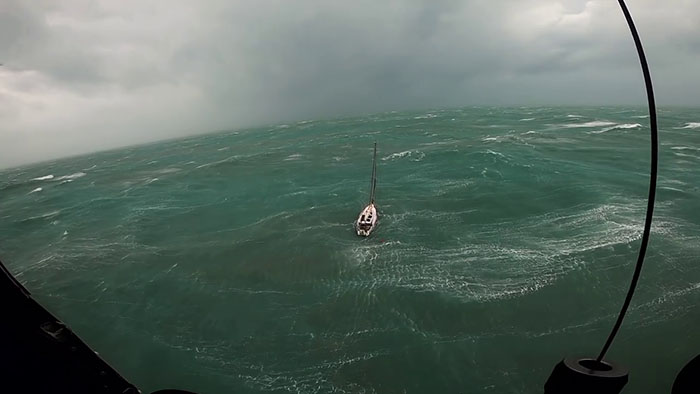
(366, 221)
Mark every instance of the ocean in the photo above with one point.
(227, 263)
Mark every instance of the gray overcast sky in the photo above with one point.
(83, 75)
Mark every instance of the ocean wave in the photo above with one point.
(679, 154)
(691, 125)
(228, 160)
(71, 176)
(293, 157)
(573, 116)
(446, 142)
(685, 148)
(491, 152)
(168, 170)
(640, 116)
(624, 126)
(628, 126)
(42, 178)
(416, 154)
(594, 123)
(673, 189)
(48, 215)
(38, 189)
(426, 116)
(527, 119)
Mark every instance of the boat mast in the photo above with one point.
(373, 185)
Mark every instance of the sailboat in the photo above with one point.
(367, 220)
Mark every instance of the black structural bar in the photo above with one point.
(652, 179)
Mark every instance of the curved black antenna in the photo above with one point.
(652, 179)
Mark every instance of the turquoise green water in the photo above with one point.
(506, 240)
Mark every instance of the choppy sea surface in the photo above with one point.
(507, 237)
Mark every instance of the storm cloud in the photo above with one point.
(83, 75)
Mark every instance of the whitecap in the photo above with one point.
(226, 160)
(684, 155)
(489, 151)
(640, 116)
(295, 156)
(38, 189)
(617, 127)
(168, 170)
(71, 176)
(595, 123)
(691, 125)
(419, 155)
(628, 126)
(526, 119)
(670, 188)
(574, 116)
(426, 116)
(48, 215)
(43, 178)
(684, 148)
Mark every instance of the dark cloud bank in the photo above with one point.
(87, 75)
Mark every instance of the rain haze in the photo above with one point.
(80, 76)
